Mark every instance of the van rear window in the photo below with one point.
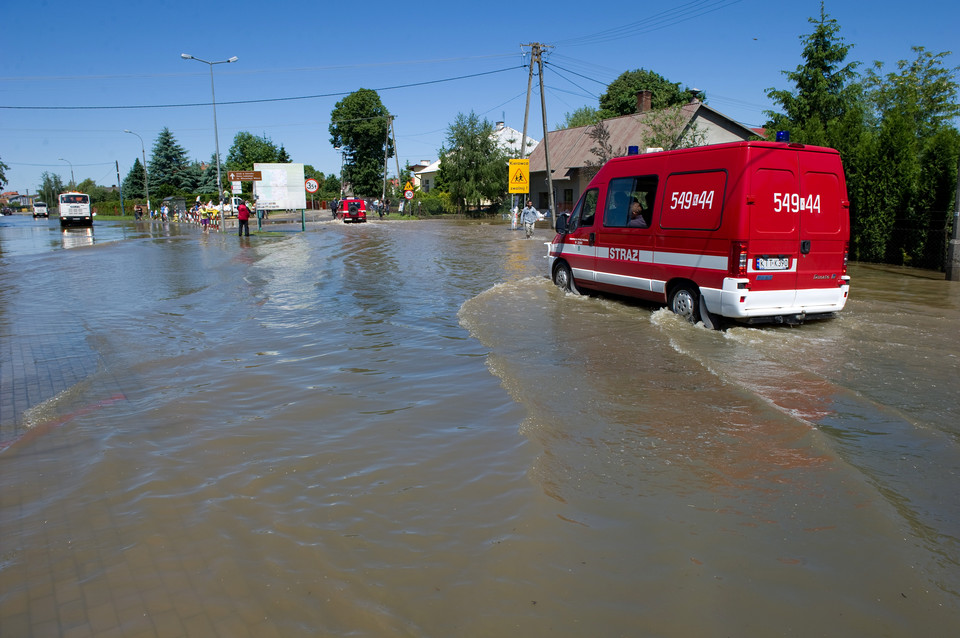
(693, 201)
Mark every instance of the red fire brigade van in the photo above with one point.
(748, 231)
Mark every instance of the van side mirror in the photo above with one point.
(562, 219)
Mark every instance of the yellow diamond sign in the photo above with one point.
(519, 176)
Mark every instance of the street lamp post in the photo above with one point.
(146, 178)
(73, 181)
(216, 135)
(341, 151)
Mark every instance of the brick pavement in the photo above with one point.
(36, 365)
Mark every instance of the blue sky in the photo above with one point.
(123, 54)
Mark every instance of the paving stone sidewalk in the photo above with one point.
(36, 366)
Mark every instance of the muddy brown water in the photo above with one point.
(404, 429)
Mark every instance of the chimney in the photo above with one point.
(499, 126)
(644, 99)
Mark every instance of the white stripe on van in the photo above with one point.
(687, 260)
(692, 260)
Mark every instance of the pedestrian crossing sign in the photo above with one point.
(519, 176)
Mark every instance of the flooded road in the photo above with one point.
(404, 429)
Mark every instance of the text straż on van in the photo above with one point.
(751, 232)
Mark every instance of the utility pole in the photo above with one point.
(386, 156)
(120, 186)
(526, 113)
(396, 153)
(536, 55)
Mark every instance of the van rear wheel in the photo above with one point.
(685, 302)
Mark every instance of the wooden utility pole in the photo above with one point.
(386, 155)
(526, 116)
(396, 154)
(536, 56)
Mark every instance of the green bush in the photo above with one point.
(435, 202)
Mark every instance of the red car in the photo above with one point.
(352, 210)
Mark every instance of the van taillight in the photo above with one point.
(846, 256)
(738, 259)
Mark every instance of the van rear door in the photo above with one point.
(824, 224)
(774, 226)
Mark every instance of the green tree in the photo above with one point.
(474, 165)
(923, 88)
(133, 182)
(208, 178)
(50, 187)
(358, 125)
(620, 97)
(188, 179)
(97, 193)
(249, 149)
(822, 91)
(310, 172)
(3, 175)
(602, 148)
(331, 185)
(669, 128)
(583, 116)
(918, 102)
(167, 160)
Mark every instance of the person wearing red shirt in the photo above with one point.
(243, 217)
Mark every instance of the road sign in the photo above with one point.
(311, 185)
(408, 186)
(408, 194)
(244, 176)
(519, 176)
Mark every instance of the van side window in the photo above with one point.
(630, 202)
(585, 211)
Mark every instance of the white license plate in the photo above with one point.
(773, 263)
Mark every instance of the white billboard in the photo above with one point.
(280, 187)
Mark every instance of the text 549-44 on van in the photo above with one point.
(751, 232)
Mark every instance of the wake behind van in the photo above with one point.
(748, 231)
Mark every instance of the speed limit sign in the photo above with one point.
(408, 194)
(311, 185)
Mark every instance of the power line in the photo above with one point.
(141, 76)
(260, 101)
(656, 22)
(557, 70)
(586, 77)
